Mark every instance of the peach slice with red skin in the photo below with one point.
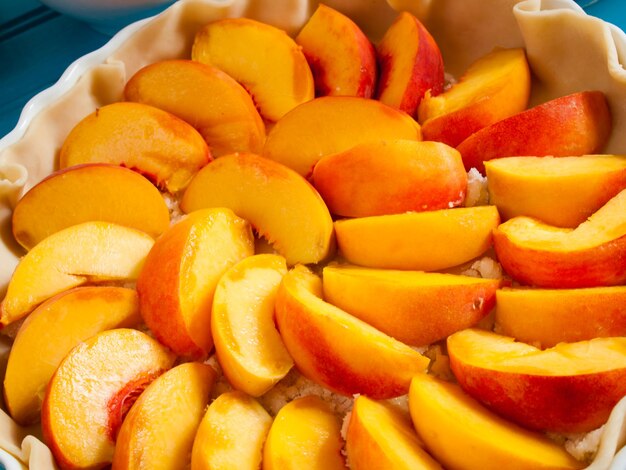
(178, 281)
(337, 350)
(155, 143)
(267, 62)
(49, 334)
(410, 64)
(342, 59)
(281, 205)
(569, 388)
(391, 177)
(205, 97)
(334, 124)
(159, 429)
(87, 252)
(571, 125)
(591, 255)
(414, 307)
(494, 87)
(89, 192)
(93, 388)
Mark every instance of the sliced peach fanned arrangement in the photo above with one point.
(215, 296)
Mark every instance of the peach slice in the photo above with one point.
(267, 62)
(426, 241)
(89, 192)
(334, 124)
(410, 64)
(220, 443)
(546, 317)
(204, 96)
(391, 177)
(461, 433)
(337, 350)
(414, 307)
(305, 434)
(91, 251)
(380, 436)
(494, 87)
(571, 387)
(591, 255)
(247, 344)
(91, 391)
(281, 205)
(49, 334)
(157, 144)
(561, 191)
(342, 59)
(181, 272)
(571, 125)
(159, 430)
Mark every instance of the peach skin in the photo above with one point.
(571, 125)
(220, 443)
(87, 252)
(116, 134)
(494, 87)
(426, 241)
(267, 62)
(304, 434)
(91, 392)
(569, 388)
(382, 437)
(391, 177)
(281, 205)
(462, 434)
(334, 124)
(591, 255)
(89, 192)
(410, 64)
(205, 97)
(342, 59)
(546, 317)
(159, 429)
(414, 307)
(337, 350)
(178, 281)
(561, 191)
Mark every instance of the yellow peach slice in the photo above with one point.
(546, 317)
(91, 251)
(494, 87)
(205, 97)
(91, 391)
(159, 429)
(181, 272)
(281, 205)
(391, 177)
(267, 62)
(460, 433)
(89, 192)
(561, 191)
(380, 436)
(248, 346)
(571, 387)
(157, 144)
(51, 331)
(342, 59)
(334, 124)
(337, 350)
(220, 443)
(304, 435)
(426, 241)
(412, 306)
